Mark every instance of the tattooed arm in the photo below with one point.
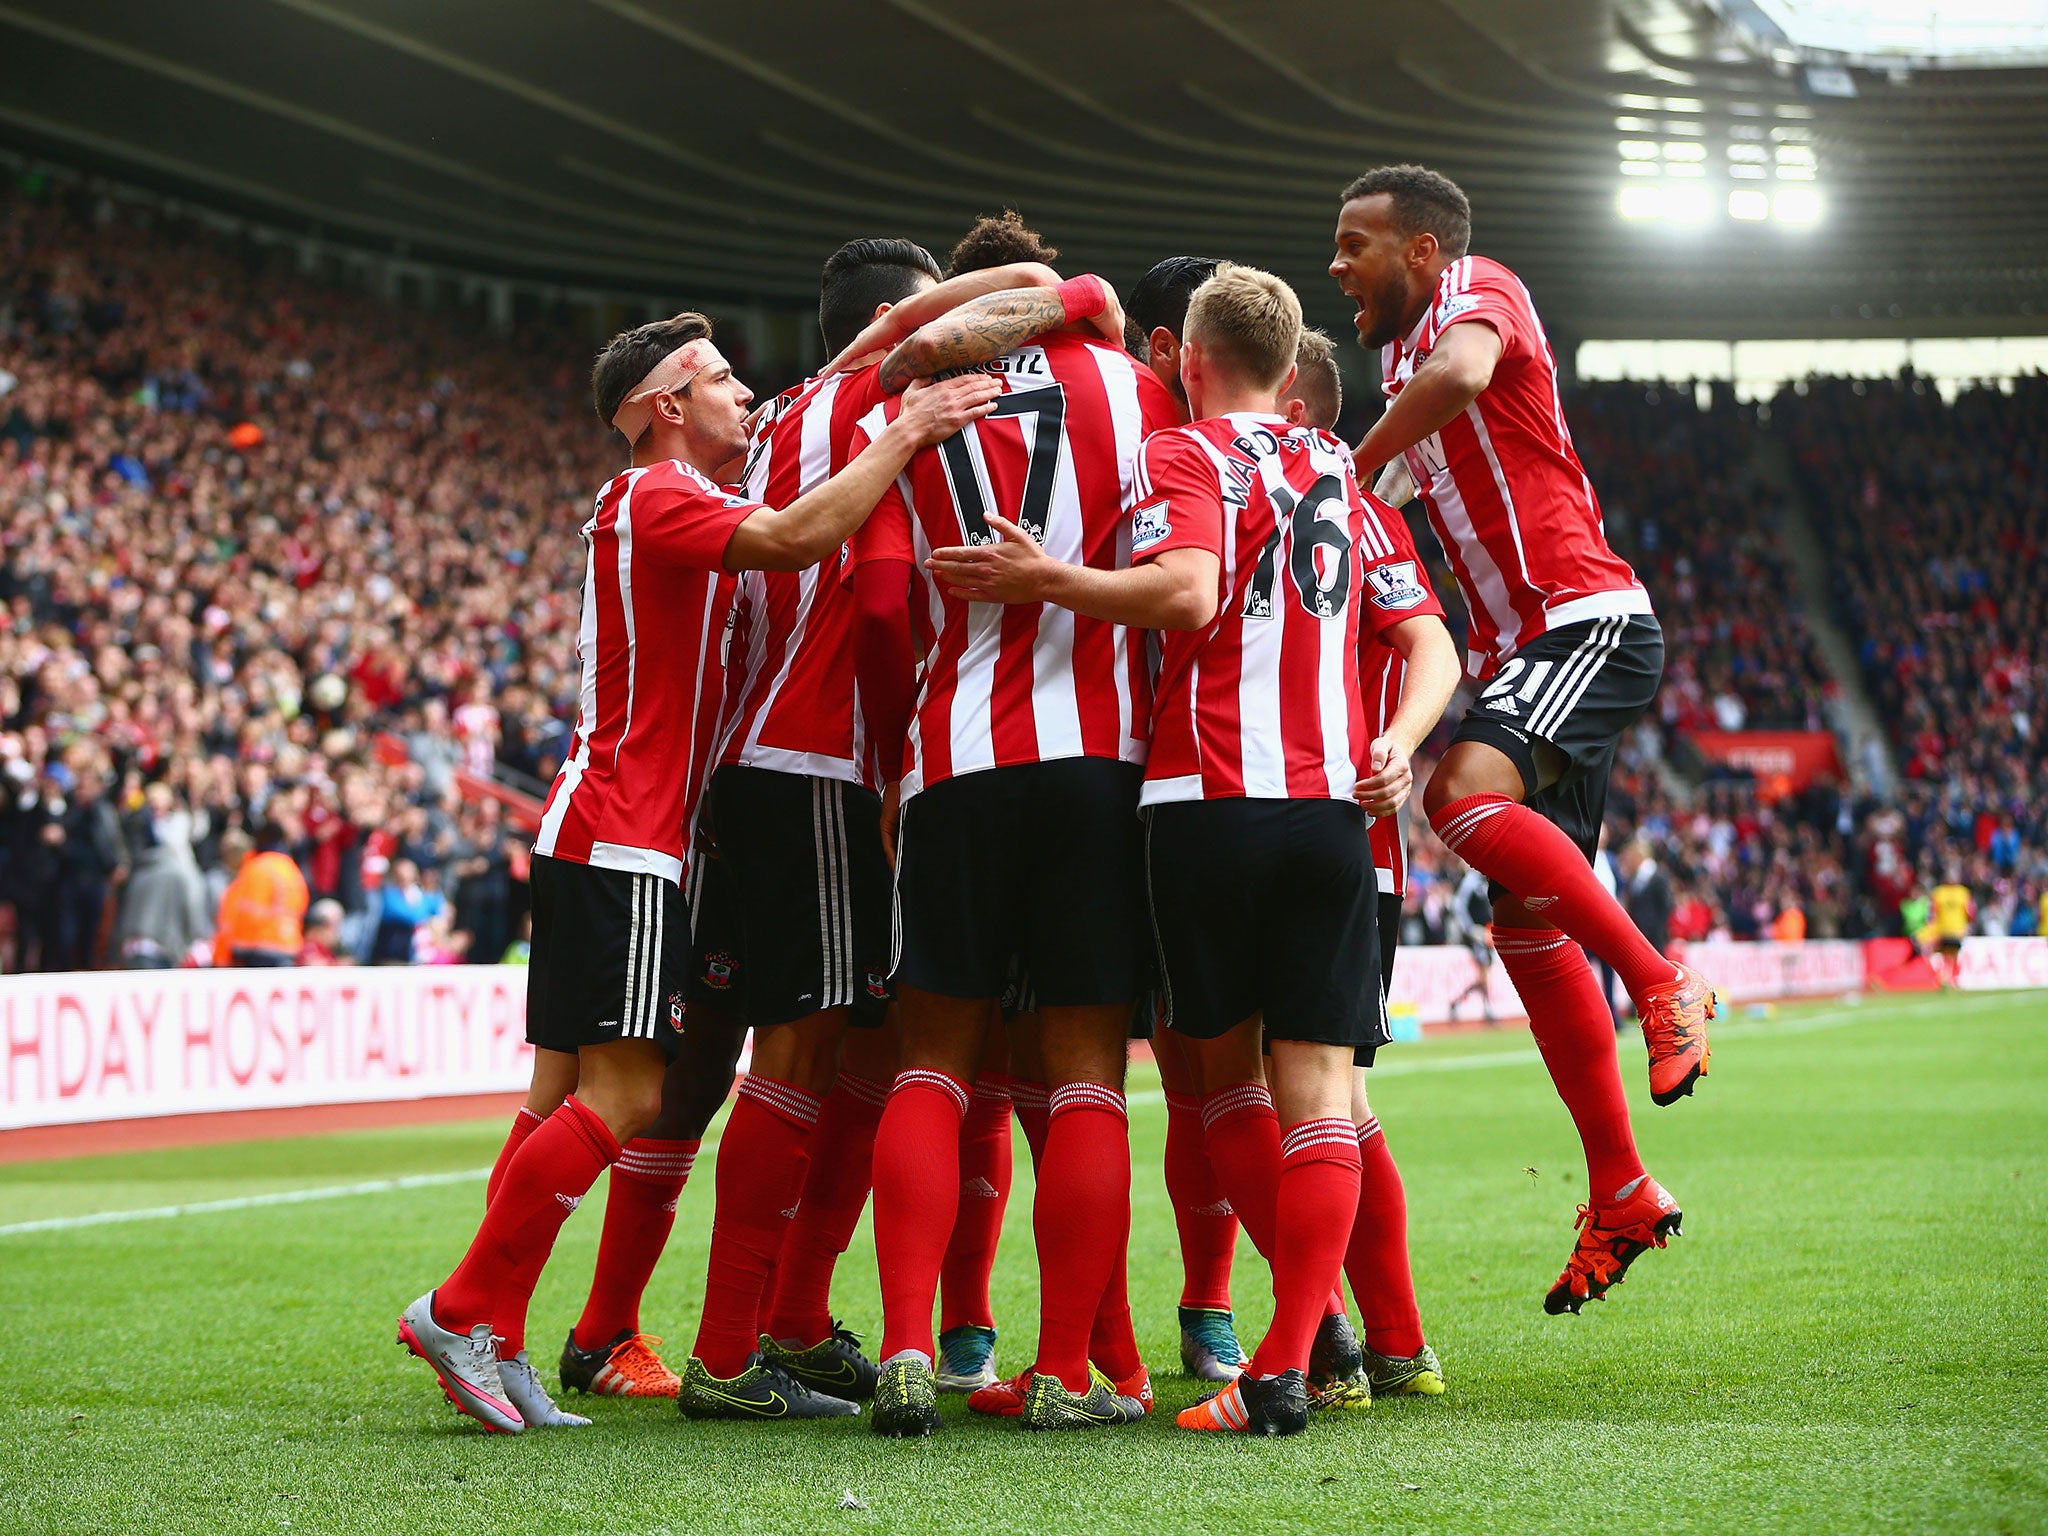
(998, 322)
(900, 319)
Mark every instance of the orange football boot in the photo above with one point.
(1610, 1239)
(1674, 1020)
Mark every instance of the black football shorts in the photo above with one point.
(1034, 871)
(608, 947)
(1267, 907)
(793, 913)
(1578, 688)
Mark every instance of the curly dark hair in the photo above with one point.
(997, 241)
(1423, 200)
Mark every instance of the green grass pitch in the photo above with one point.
(1851, 1336)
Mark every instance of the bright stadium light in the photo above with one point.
(1795, 205)
(1687, 205)
(1983, 34)
(1748, 203)
(1641, 202)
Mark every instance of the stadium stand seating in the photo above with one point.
(1935, 515)
(259, 531)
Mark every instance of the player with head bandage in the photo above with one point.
(609, 920)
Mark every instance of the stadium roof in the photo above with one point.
(656, 146)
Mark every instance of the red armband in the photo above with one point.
(1083, 297)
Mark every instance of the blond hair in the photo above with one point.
(1248, 320)
(1317, 383)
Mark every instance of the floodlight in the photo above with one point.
(1795, 205)
(1641, 202)
(1748, 203)
(1686, 205)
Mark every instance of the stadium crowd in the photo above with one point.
(1934, 513)
(280, 559)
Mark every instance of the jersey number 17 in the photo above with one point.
(1046, 405)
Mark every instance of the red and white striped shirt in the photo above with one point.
(1264, 703)
(656, 597)
(790, 681)
(1502, 483)
(1026, 682)
(1381, 672)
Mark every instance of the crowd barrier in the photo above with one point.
(1996, 963)
(114, 1045)
(126, 1044)
(1432, 977)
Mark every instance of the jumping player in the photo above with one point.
(1570, 653)
(609, 919)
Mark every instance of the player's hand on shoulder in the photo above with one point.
(1383, 791)
(933, 410)
(1014, 569)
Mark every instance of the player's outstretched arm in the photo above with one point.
(798, 536)
(1175, 589)
(1449, 379)
(987, 328)
(1426, 688)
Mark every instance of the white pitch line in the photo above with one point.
(246, 1202)
(1832, 1019)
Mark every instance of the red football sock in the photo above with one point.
(1377, 1259)
(639, 1212)
(524, 1124)
(985, 1163)
(1033, 1103)
(546, 1180)
(1243, 1133)
(835, 1192)
(1533, 858)
(761, 1166)
(1202, 1212)
(917, 1192)
(1312, 1222)
(1081, 1218)
(1574, 1031)
(1112, 1342)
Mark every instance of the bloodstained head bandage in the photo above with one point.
(671, 375)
